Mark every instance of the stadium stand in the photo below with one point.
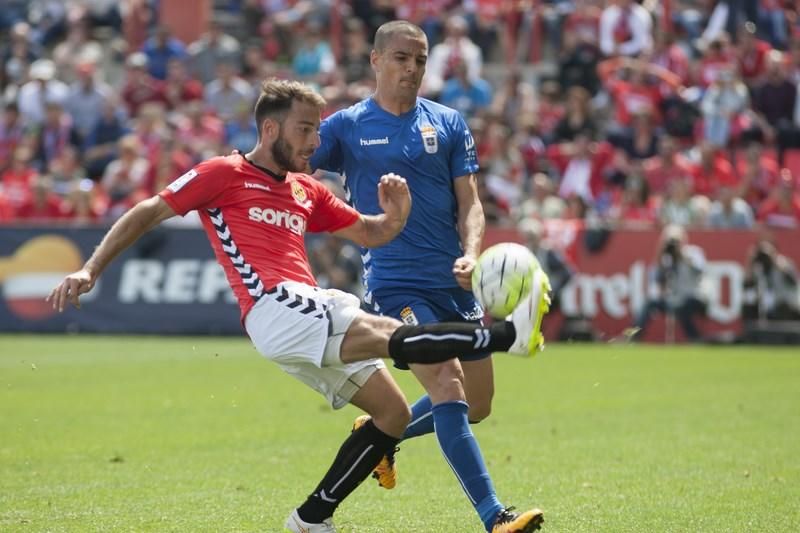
(617, 113)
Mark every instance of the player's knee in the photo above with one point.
(449, 388)
(479, 411)
(449, 383)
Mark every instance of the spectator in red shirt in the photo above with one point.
(6, 213)
(668, 166)
(179, 88)
(531, 147)
(173, 160)
(151, 130)
(752, 54)
(782, 208)
(582, 165)
(668, 54)
(85, 204)
(711, 172)
(201, 133)
(635, 206)
(717, 56)
(42, 204)
(584, 22)
(140, 87)
(125, 178)
(632, 95)
(758, 174)
(16, 180)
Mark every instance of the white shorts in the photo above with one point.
(301, 328)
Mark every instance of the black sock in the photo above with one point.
(357, 458)
(434, 343)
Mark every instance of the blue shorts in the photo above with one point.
(415, 306)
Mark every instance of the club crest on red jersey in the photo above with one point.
(299, 193)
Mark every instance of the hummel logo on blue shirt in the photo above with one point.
(370, 142)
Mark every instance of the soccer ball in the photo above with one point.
(502, 277)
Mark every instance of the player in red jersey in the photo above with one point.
(255, 209)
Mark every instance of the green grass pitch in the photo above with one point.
(202, 434)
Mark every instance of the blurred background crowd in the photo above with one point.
(615, 112)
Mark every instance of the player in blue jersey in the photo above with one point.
(423, 275)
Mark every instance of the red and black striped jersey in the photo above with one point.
(255, 222)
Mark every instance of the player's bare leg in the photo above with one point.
(479, 387)
(384, 402)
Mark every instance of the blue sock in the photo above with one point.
(421, 419)
(464, 456)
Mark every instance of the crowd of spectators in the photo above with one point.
(661, 112)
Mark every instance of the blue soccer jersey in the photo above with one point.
(430, 146)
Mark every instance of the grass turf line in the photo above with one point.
(201, 434)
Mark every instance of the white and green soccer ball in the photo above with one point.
(502, 277)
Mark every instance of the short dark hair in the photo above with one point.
(396, 27)
(277, 96)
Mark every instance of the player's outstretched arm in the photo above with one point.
(371, 231)
(471, 227)
(143, 217)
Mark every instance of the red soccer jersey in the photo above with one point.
(707, 181)
(256, 223)
(630, 98)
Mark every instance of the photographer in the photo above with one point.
(678, 275)
(770, 285)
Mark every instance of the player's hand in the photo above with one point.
(70, 289)
(462, 270)
(394, 197)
